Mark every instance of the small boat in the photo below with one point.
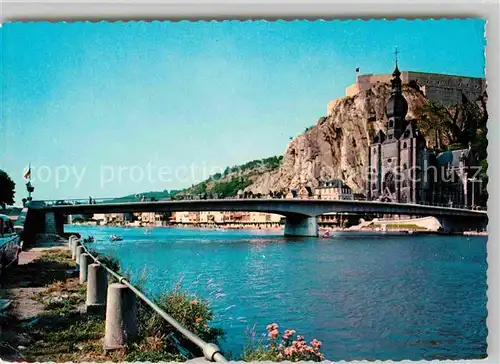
(115, 238)
(326, 234)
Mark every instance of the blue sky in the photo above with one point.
(81, 100)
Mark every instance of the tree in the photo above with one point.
(7, 190)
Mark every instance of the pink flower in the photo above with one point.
(316, 343)
(273, 334)
(194, 302)
(272, 327)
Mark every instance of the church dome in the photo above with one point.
(396, 106)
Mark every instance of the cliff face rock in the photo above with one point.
(336, 147)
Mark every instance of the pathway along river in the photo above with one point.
(421, 297)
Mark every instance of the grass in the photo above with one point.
(49, 268)
(258, 353)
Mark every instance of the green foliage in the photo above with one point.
(153, 356)
(230, 188)
(149, 196)
(258, 352)
(7, 190)
(199, 188)
(89, 329)
(190, 311)
(108, 260)
(271, 163)
(455, 146)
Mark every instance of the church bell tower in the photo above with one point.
(396, 107)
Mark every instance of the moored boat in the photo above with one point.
(10, 243)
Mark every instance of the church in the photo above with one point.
(402, 169)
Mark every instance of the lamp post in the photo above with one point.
(473, 180)
(30, 189)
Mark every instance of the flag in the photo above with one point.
(27, 174)
(357, 69)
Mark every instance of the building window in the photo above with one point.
(374, 150)
(389, 160)
(391, 123)
(374, 186)
(404, 184)
(405, 166)
(390, 136)
(404, 145)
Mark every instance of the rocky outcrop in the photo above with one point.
(336, 147)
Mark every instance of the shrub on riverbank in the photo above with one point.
(282, 347)
(190, 311)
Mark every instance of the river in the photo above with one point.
(376, 298)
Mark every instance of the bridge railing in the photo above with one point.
(111, 200)
(210, 351)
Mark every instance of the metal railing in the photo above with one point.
(111, 200)
(210, 351)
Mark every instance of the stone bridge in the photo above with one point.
(300, 214)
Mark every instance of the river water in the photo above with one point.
(421, 297)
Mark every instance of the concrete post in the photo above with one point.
(85, 260)
(79, 251)
(97, 282)
(121, 316)
(73, 252)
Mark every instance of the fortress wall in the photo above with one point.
(447, 89)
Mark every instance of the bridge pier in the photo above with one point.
(297, 225)
(54, 223)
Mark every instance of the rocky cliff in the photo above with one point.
(336, 147)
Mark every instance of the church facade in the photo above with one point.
(402, 169)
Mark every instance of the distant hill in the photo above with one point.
(226, 184)
(155, 195)
(234, 179)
